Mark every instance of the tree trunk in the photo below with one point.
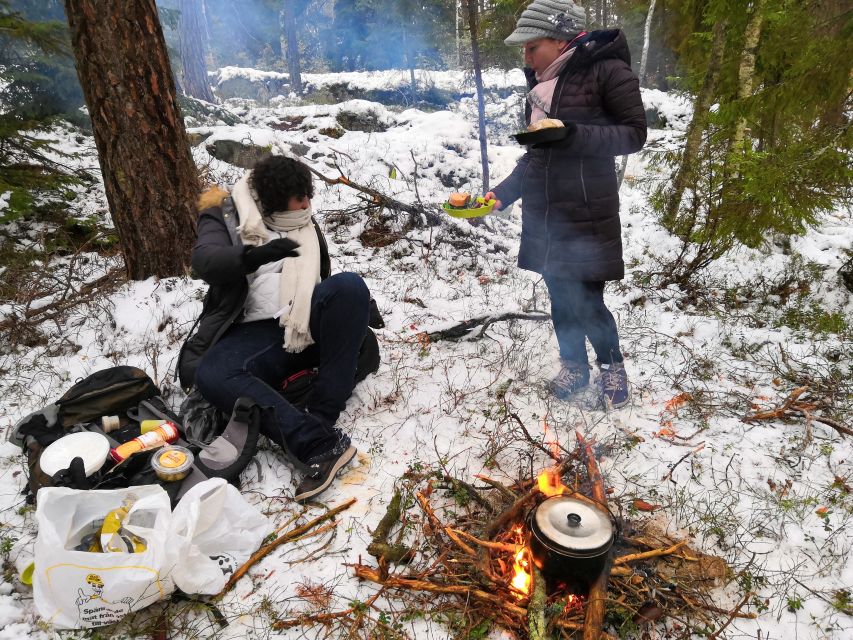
(478, 81)
(410, 62)
(149, 176)
(846, 274)
(693, 138)
(831, 14)
(293, 67)
(646, 33)
(746, 71)
(458, 23)
(194, 50)
(643, 59)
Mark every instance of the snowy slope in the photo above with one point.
(719, 350)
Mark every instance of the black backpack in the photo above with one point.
(105, 393)
(128, 394)
(109, 392)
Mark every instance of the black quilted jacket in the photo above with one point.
(218, 259)
(570, 199)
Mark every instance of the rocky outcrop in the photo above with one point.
(251, 84)
(237, 153)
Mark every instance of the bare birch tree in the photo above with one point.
(746, 70)
(478, 81)
(643, 60)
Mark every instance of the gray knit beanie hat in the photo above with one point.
(558, 19)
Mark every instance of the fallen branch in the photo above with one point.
(452, 535)
(697, 449)
(732, 616)
(438, 524)
(793, 404)
(633, 557)
(287, 537)
(321, 618)
(367, 573)
(471, 491)
(53, 310)
(511, 514)
(497, 546)
(781, 410)
(503, 489)
(379, 199)
(379, 547)
(840, 428)
(462, 329)
(709, 607)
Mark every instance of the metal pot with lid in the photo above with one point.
(570, 539)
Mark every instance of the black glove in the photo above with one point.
(548, 137)
(74, 476)
(254, 257)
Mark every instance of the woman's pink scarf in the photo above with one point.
(541, 95)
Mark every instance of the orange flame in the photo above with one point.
(573, 602)
(521, 577)
(549, 480)
(521, 574)
(550, 483)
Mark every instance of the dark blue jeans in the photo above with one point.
(250, 360)
(578, 312)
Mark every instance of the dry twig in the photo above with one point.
(287, 537)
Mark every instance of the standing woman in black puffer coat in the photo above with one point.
(571, 232)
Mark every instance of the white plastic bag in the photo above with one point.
(74, 589)
(224, 531)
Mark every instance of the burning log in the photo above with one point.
(515, 510)
(594, 620)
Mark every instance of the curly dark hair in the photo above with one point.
(277, 179)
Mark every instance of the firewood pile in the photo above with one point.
(460, 553)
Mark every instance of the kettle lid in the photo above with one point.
(573, 524)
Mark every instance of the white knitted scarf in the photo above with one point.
(299, 275)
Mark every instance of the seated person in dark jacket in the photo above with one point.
(571, 234)
(273, 309)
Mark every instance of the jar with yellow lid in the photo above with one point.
(172, 463)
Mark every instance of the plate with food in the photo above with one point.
(462, 205)
(546, 130)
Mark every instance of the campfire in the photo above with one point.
(514, 557)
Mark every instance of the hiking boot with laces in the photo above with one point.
(573, 377)
(613, 384)
(323, 468)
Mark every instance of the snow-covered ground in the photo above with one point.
(698, 360)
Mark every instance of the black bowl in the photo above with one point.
(543, 135)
